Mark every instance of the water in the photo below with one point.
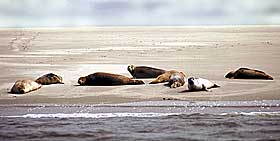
(160, 122)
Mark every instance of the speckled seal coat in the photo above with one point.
(49, 78)
(25, 86)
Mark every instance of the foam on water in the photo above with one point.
(142, 115)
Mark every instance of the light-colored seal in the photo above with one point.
(49, 78)
(25, 86)
(144, 71)
(246, 73)
(107, 79)
(165, 77)
(200, 84)
(177, 80)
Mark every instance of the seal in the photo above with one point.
(200, 84)
(177, 80)
(107, 79)
(246, 73)
(25, 86)
(49, 78)
(144, 71)
(165, 77)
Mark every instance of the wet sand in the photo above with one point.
(207, 52)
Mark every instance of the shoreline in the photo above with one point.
(264, 107)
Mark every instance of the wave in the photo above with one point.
(94, 115)
(141, 115)
(277, 113)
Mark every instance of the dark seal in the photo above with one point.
(246, 73)
(144, 71)
(107, 79)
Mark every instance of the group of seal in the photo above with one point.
(177, 79)
(174, 78)
(25, 86)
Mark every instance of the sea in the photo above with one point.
(150, 120)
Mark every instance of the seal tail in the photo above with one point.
(269, 77)
(137, 82)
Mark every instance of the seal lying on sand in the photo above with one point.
(177, 80)
(200, 84)
(49, 78)
(165, 77)
(246, 73)
(107, 79)
(144, 72)
(25, 86)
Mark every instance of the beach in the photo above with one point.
(238, 110)
(207, 52)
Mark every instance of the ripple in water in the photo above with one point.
(141, 126)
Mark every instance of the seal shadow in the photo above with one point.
(77, 85)
(187, 91)
(166, 85)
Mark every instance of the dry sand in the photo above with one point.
(207, 52)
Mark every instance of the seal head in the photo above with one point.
(131, 68)
(230, 75)
(177, 80)
(82, 80)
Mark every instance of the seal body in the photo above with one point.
(177, 80)
(49, 78)
(144, 71)
(25, 86)
(200, 84)
(107, 79)
(165, 77)
(246, 73)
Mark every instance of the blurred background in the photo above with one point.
(56, 13)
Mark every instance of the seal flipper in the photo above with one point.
(204, 88)
(216, 86)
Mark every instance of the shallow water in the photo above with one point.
(134, 121)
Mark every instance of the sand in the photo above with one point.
(207, 52)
